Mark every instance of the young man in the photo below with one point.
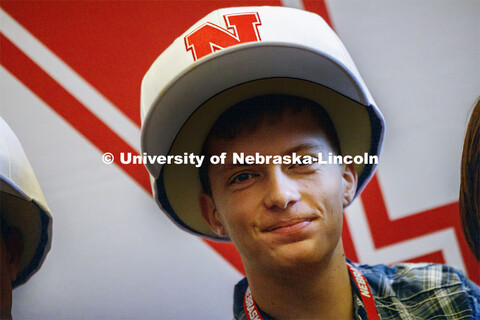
(26, 221)
(277, 83)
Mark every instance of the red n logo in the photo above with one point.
(209, 38)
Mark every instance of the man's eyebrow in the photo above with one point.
(229, 166)
(305, 146)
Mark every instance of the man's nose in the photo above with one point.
(281, 191)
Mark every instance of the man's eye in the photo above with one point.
(242, 177)
(299, 165)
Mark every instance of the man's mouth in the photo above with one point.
(289, 226)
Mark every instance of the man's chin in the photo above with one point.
(299, 254)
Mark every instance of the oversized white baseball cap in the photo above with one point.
(238, 53)
(22, 204)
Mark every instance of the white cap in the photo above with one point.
(22, 204)
(234, 54)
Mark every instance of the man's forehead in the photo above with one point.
(298, 128)
(288, 116)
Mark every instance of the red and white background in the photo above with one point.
(70, 86)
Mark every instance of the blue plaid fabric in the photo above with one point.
(405, 291)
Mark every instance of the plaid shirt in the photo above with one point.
(405, 291)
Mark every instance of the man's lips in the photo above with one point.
(288, 226)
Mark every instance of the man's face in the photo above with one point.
(280, 215)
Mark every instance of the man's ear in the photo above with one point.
(349, 183)
(210, 214)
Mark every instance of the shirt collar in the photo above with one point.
(359, 311)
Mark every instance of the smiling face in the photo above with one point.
(279, 215)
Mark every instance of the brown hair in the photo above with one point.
(469, 200)
(246, 116)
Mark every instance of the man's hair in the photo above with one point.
(469, 202)
(245, 117)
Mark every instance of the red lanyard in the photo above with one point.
(365, 292)
(250, 307)
(252, 312)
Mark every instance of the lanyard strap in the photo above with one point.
(365, 292)
(250, 307)
(252, 312)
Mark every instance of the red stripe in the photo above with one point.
(113, 43)
(69, 108)
(319, 7)
(386, 232)
(85, 122)
(434, 257)
(229, 252)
